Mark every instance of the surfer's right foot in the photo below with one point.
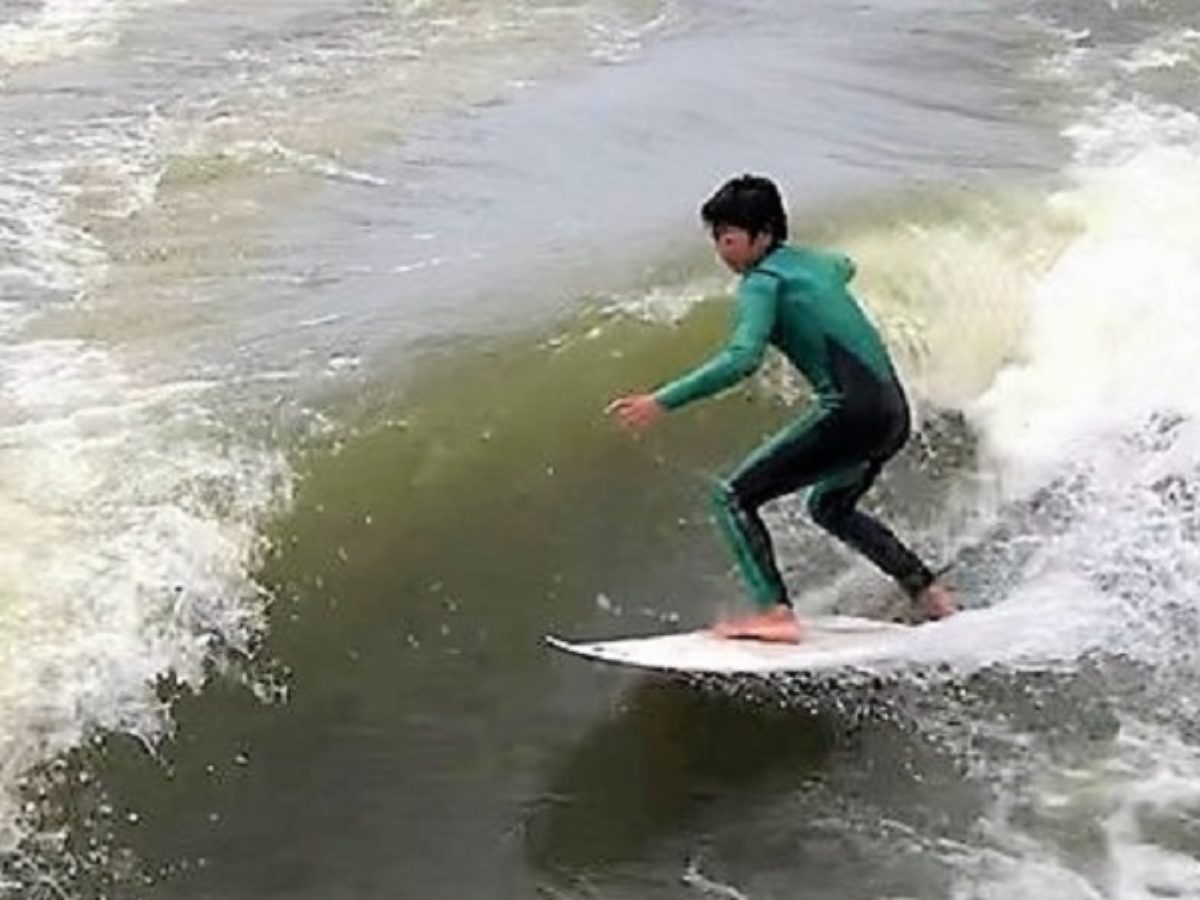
(938, 601)
(778, 625)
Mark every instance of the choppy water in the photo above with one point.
(307, 316)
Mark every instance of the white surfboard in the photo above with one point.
(833, 642)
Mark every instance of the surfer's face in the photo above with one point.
(737, 248)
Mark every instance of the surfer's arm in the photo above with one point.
(743, 352)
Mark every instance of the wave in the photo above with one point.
(1090, 439)
(134, 496)
(1062, 329)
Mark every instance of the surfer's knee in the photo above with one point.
(827, 511)
(730, 497)
(724, 495)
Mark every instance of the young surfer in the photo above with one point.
(797, 299)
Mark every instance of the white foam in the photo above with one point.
(694, 878)
(272, 150)
(63, 28)
(42, 248)
(1101, 413)
(1154, 780)
(620, 42)
(1112, 328)
(50, 182)
(1177, 50)
(130, 530)
(950, 298)
(1137, 803)
(666, 306)
(1013, 634)
(59, 28)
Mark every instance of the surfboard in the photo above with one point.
(833, 642)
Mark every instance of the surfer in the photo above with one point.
(796, 298)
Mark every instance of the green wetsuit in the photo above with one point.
(797, 300)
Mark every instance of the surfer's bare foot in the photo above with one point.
(938, 601)
(778, 624)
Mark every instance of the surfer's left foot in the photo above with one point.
(778, 625)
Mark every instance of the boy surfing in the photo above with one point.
(796, 299)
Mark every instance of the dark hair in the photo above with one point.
(750, 202)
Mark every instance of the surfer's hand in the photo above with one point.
(636, 412)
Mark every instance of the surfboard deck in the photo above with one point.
(833, 642)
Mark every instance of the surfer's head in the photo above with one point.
(747, 220)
